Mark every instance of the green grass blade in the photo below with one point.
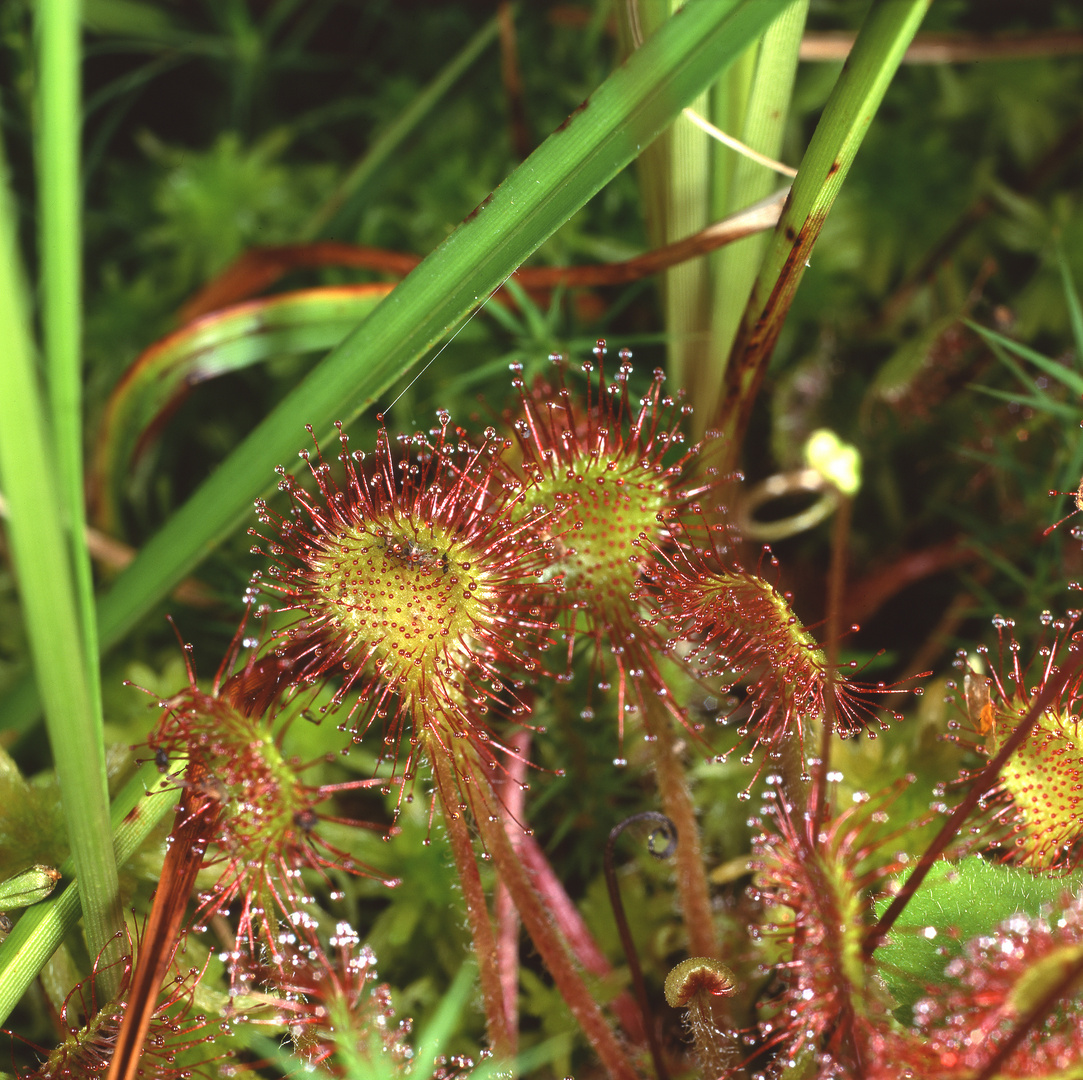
(675, 180)
(1033, 401)
(40, 556)
(60, 239)
(1001, 346)
(877, 53)
(60, 249)
(432, 1040)
(1005, 357)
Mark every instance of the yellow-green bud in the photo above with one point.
(834, 460)
(30, 886)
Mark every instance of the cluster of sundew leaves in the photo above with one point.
(337, 1019)
(428, 589)
(830, 1006)
(319, 990)
(233, 735)
(1033, 815)
(911, 173)
(430, 586)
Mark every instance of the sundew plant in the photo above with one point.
(539, 539)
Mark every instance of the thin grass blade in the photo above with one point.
(876, 55)
(41, 558)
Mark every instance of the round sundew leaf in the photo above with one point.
(604, 514)
(957, 902)
(410, 594)
(413, 590)
(1042, 778)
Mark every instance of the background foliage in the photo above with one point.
(214, 127)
